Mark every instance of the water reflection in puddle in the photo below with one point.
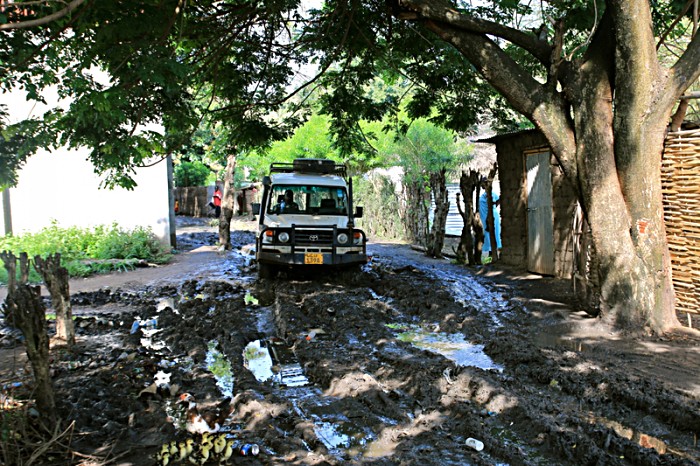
(219, 365)
(272, 360)
(451, 345)
(166, 303)
(554, 340)
(258, 361)
(340, 435)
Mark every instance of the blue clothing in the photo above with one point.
(483, 212)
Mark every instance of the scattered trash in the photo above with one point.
(8, 386)
(249, 449)
(313, 332)
(146, 324)
(250, 299)
(477, 445)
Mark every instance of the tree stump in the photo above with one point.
(56, 279)
(25, 310)
(472, 238)
(436, 237)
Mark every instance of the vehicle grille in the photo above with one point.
(315, 237)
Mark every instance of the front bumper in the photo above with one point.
(311, 245)
(303, 258)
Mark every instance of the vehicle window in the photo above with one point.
(307, 199)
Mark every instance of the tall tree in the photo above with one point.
(127, 66)
(590, 78)
(604, 113)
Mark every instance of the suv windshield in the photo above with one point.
(307, 199)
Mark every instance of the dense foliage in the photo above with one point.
(191, 174)
(378, 194)
(85, 251)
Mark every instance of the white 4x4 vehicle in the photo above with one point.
(307, 218)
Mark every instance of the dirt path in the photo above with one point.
(399, 364)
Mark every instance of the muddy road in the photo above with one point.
(399, 363)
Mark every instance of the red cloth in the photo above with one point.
(217, 198)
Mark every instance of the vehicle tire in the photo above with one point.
(266, 270)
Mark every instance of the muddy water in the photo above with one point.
(399, 364)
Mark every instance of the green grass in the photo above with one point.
(80, 247)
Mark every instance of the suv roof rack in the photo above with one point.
(319, 166)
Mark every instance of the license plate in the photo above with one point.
(313, 258)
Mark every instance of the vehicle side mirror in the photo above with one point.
(358, 212)
(255, 208)
(266, 181)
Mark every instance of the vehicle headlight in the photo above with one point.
(343, 238)
(357, 238)
(267, 238)
(283, 237)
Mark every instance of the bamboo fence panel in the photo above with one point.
(680, 180)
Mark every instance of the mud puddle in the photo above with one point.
(451, 345)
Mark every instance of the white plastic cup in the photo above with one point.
(477, 445)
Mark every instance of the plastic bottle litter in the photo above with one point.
(249, 449)
(477, 445)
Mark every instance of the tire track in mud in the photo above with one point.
(375, 398)
(544, 408)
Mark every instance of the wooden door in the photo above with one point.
(540, 225)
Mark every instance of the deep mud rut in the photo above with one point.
(398, 363)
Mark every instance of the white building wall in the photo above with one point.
(62, 186)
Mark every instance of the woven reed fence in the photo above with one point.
(680, 179)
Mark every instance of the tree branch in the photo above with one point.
(687, 69)
(45, 20)
(438, 11)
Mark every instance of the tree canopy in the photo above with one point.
(596, 78)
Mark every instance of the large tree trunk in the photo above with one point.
(436, 238)
(56, 279)
(619, 153)
(227, 203)
(604, 114)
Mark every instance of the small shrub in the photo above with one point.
(82, 249)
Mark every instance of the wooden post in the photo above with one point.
(227, 203)
(7, 211)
